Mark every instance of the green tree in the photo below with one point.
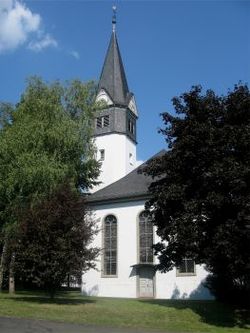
(201, 189)
(6, 111)
(54, 240)
(46, 142)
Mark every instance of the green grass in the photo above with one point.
(163, 315)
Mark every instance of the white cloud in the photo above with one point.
(18, 25)
(75, 54)
(5, 5)
(42, 43)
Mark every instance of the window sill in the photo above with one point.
(185, 274)
(109, 276)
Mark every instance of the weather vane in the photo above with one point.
(114, 18)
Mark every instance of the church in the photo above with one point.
(126, 264)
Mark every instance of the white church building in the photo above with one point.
(126, 265)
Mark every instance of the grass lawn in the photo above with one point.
(164, 315)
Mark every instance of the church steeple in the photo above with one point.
(115, 123)
(113, 78)
(120, 115)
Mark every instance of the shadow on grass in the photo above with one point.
(210, 312)
(62, 298)
(47, 300)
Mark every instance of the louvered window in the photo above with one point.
(99, 122)
(105, 121)
(145, 238)
(102, 121)
(110, 246)
(131, 126)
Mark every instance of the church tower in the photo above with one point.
(115, 124)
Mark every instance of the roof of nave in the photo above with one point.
(131, 187)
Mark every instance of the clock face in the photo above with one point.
(104, 97)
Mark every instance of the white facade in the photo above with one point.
(118, 160)
(129, 282)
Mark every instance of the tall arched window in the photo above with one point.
(110, 245)
(145, 238)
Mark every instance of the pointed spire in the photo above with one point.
(113, 79)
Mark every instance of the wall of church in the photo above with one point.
(125, 283)
(171, 286)
(119, 157)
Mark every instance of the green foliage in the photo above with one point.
(6, 111)
(201, 193)
(47, 142)
(53, 240)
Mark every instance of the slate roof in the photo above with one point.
(113, 78)
(133, 186)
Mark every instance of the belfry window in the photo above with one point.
(131, 126)
(102, 122)
(145, 238)
(106, 121)
(110, 245)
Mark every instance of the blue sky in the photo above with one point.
(166, 46)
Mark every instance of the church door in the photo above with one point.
(146, 282)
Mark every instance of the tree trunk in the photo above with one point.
(2, 264)
(11, 275)
(68, 281)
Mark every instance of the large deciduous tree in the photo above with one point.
(45, 140)
(201, 189)
(54, 240)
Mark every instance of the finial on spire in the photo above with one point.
(114, 18)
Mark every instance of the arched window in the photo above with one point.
(145, 238)
(110, 245)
